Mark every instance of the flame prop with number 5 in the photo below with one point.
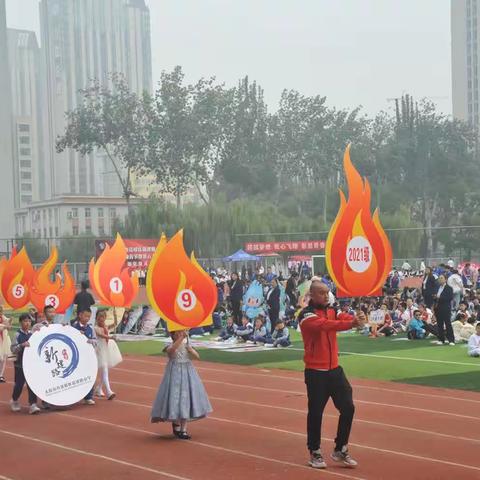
(109, 277)
(45, 292)
(358, 253)
(16, 275)
(178, 288)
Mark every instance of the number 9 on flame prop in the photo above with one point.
(178, 288)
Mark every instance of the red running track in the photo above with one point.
(257, 429)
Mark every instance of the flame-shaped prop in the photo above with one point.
(109, 277)
(45, 292)
(178, 288)
(358, 252)
(16, 275)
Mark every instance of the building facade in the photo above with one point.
(465, 25)
(28, 106)
(84, 40)
(71, 216)
(7, 221)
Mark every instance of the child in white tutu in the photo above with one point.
(5, 343)
(108, 354)
(181, 397)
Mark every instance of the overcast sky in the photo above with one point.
(356, 52)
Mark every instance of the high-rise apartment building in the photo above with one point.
(7, 223)
(84, 40)
(465, 27)
(28, 106)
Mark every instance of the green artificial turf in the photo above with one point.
(391, 359)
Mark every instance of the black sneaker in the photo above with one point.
(316, 459)
(344, 457)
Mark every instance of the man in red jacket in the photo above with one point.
(324, 378)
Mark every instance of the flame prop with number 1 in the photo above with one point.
(16, 275)
(178, 288)
(109, 277)
(44, 292)
(358, 254)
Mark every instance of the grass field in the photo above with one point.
(391, 359)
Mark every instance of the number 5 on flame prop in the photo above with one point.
(358, 254)
(178, 288)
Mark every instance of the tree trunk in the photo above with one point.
(178, 197)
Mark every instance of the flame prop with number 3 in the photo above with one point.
(45, 292)
(178, 288)
(109, 277)
(358, 254)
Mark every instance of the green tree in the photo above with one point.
(110, 120)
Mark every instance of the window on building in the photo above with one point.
(100, 213)
(50, 231)
(113, 212)
(26, 199)
(26, 187)
(25, 164)
(44, 233)
(24, 140)
(74, 212)
(25, 152)
(56, 231)
(88, 229)
(101, 230)
(22, 127)
(88, 213)
(26, 175)
(75, 230)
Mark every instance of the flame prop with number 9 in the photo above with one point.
(109, 277)
(178, 288)
(16, 276)
(45, 292)
(358, 253)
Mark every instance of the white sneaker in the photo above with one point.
(34, 409)
(452, 343)
(438, 342)
(344, 457)
(15, 406)
(90, 401)
(99, 392)
(316, 460)
(446, 342)
(269, 345)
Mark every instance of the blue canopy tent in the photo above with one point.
(241, 256)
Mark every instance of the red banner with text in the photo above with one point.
(289, 246)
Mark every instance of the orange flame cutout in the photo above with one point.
(16, 276)
(110, 279)
(177, 286)
(45, 292)
(358, 252)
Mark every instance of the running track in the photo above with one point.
(256, 430)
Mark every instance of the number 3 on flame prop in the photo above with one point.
(358, 254)
(178, 288)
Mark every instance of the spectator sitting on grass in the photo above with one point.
(229, 330)
(245, 330)
(415, 327)
(463, 328)
(260, 334)
(474, 343)
(463, 309)
(280, 336)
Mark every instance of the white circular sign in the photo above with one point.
(59, 365)
(18, 290)
(359, 254)
(186, 300)
(52, 301)
(116, 285)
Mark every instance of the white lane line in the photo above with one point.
(94, 455)
(296, 379)
(303, 394)
(277, 430)
(356, 420)
(209, 446)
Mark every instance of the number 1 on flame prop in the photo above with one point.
(110, 279)
(357, 253)
(178, 288)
